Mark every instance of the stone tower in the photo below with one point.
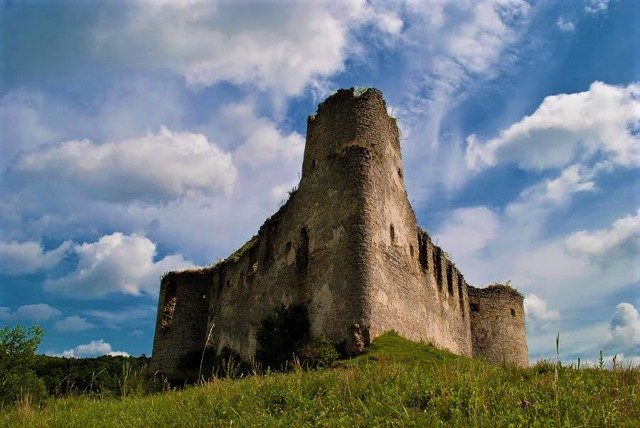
(347, 246)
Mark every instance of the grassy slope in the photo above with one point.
(396, 383)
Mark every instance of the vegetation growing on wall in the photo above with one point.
(284, 336)
(359, 91)
(242, 250)
(504, 287)
(280, 334)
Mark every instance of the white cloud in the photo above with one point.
(281, 46)
(116, 263)
(450, 48)
(624, 235)
(567, 128)
(624, 330)
(22, 123)
(468, 230)
(158, 167)
(73, 323)
(459, 41)
(566, 26)
(93, 349)
(538, 314)
(38, 312)
(389, 23)
(20, 258)
(478, 43)
(261, 142)
(596, 6)
(536, 203)
(572, 180)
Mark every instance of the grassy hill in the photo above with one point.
(395, 383)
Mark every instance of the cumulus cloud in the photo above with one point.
(622, 237)
(261, 142)
(38, 312)
(538, 313)
(116, 263)
(537, 202)
(92, 349)
(20, 258)
(73, 323)
(155, 168)
(624, 330)
(566, 128)
(281, 46)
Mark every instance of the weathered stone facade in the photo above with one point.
(347, 246)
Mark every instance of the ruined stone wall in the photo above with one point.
(497, 325)
(420, 300)
(181, 322)
(310, 252)
(347, 246)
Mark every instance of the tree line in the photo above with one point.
(25, 375)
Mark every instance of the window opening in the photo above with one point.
(302, 255)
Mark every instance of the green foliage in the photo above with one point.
(319, 352)
(359, 91)
(395, 383)
(17, 352)
(242, 250)
(281, 334)
(102, 376)
(505, 287)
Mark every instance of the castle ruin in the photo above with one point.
(347, 246)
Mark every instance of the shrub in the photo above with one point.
(17, 355)
(319, 352)
(280, 334)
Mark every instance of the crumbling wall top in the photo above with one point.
(341, 96)
(496, 289)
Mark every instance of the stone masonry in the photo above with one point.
(347, 246)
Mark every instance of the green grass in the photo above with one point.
(396, 383)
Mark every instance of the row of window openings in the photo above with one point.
(302, 256)
(437, 262)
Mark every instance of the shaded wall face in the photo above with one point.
(412, 286)
(498, 326)
(181, 322)
(311, 252)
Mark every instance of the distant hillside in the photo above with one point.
(395, 383)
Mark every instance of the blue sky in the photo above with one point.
(143, 136)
